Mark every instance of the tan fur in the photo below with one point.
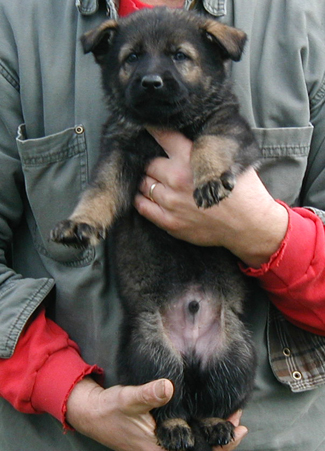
(231, 38)
(212, 155)
(209, 422)
(96, 209)
(98, 205)
(191, 70)
(175, 424)
(91, 38)
(125, 51)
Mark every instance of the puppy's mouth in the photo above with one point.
(152, 107)
(153, 95)
(154, 103)
(162, 113)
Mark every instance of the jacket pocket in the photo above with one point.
(284, 155)
(56, 172)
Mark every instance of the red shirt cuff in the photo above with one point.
(295, 254)
(56, 379)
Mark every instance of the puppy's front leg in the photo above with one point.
(102, 201)
(214, 168)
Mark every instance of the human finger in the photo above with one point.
(235, 417)
(148, 187)
(143, 398)
(174, 143)
(151, 189)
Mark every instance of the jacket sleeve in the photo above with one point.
(43, 370)
(295, 276)
(19, 297)
(39, 364)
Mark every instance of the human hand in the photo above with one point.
(118, 417)
(250, 223)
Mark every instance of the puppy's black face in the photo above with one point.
(159, 77)
(157, 63)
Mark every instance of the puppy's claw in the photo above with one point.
(228, 180)
(213, 191)
(76, 234)
(208, 195)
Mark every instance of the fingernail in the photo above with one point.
(160, 389)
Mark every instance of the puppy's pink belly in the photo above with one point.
(193, 324)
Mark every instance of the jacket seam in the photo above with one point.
(26, 313)
(8, 77)
(320, 94)
(69, 152)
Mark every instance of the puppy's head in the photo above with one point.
(159, 62)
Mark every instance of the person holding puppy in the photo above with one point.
(59, 311)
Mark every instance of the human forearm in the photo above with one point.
(254, 223)
(294, 277)
(44, 368)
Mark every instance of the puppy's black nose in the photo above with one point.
(152, 82)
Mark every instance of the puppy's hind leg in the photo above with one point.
(102, 201)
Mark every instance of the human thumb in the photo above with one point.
(148, 396)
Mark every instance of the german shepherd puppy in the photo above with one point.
(182, 303)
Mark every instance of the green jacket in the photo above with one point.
(51, 113)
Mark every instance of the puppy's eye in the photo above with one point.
(180, 56)
(132, 58)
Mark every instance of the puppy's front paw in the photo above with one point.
(217, 432)
(76, 234)
(175, 435)
(211, 192)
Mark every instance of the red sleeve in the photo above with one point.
(45, 367)
(294, 277)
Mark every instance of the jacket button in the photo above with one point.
(286, 352)
(79, 129)
(297, 375)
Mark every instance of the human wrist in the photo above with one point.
(296, 253)
(80, 404)
(56, 379)
(261, 237)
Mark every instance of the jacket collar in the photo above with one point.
(217, 8)
(88, 7)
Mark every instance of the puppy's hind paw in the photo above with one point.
(175, 435)
(217, 432)
(76, 234)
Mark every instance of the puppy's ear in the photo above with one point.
(98, 40)
(230, 40)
